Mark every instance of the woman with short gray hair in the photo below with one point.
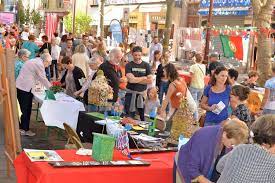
(252, 162)
(80, 59)
(23, 56)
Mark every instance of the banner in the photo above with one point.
(190, 38)
(7, 18)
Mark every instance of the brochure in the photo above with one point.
(220, 107)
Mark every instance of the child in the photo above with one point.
(239, 95)
(152, 102)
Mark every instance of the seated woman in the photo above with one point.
(257, 163)
(197, 159)
(239, 95)
(70, 79)
(251, 82)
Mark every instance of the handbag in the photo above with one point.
(191, 104)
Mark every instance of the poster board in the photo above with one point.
(8, 93)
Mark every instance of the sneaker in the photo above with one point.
(29, 133)
(22, 132)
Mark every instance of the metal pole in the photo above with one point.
(74, 5)
(208, 30)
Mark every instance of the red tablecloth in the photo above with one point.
(160, 170)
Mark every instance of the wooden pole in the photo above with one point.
(208, 30)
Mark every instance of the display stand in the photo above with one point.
(10, 115)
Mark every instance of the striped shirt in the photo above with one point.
(248, 163)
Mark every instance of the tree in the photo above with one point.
(102, 2)
(27, 16)
(82, 23)
(262, 12)
(168, 24)
(36, 17)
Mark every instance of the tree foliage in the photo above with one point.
(82, 23)
(27, 16)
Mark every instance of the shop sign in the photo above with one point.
(113, 2)
(226, 3)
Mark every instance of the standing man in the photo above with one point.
(213, 63)
(68, 51)
(155, 46)
(130, 53)
(85, 42)
(32, 70)
(139, 75)
(112, 71)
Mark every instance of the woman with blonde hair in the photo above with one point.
(252, 162)
(80, 59)
(197, 159)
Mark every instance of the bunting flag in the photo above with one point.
(232, 46)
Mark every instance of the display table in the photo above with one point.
(56, 112)
(187, 77)
(160, 170)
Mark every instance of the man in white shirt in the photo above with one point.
(55, 53)
(155, 46)
(32, 71)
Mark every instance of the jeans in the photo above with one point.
(128, 98)
(54, 69)
(25, 102)
(268, 111)
(48, 73)
(92, 108)
(196, 94)
(163, 89)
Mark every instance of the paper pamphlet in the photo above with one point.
(220, 107)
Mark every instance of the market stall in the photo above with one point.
(159, 170)
(56, 112)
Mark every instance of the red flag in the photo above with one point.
(237, 42)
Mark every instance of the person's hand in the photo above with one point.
(213, 107)
(162, 113)
(123, 80)
(77, 93)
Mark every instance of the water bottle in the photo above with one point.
(152, 122)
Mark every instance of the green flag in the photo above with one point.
(227, 51)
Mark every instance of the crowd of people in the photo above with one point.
(221, 151)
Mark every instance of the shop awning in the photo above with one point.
(147, 8)
(110, 13)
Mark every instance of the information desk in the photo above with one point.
(160, 170)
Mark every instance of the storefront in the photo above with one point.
(228, 12)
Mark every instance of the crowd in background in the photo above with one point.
(156, 87)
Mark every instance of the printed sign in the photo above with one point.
(7, 18)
